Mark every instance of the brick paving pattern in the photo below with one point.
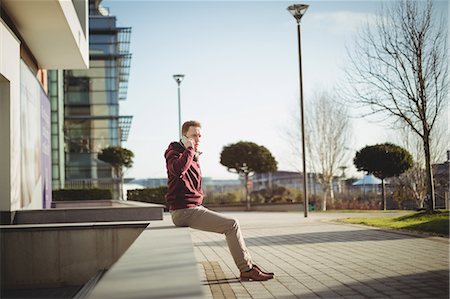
(316, 257)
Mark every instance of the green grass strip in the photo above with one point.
(436, 222)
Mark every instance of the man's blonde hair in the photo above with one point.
(188, 124)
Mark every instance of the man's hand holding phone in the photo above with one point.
(187, 142)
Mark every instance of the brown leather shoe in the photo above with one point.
(255, 274)
(263, 272)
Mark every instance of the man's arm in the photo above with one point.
(177, 163)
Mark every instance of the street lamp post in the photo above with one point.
(298, 10)
(178, 78)
(246, 172)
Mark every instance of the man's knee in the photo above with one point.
(233, 224)
(229, 225)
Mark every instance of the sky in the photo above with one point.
(240, 61)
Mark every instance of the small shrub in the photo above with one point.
(150, 195)
(81, 194)
(221, 198)
(354, 204)
(276, 194)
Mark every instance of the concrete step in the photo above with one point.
(159, 264)
(89, 286)
(120, 211)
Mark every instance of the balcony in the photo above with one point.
(54, 30)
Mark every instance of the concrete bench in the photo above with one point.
(96, 211)
(159, 264)
(56, 255)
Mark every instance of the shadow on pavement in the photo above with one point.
(432, 285)
(221, 281)
(57, 293)
(319, 237)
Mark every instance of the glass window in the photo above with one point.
(76, 97)
(53, 88)
(77, 110)
(102, 63)
(104, 172)
(55, 171)
(54, 129)
(102, 38)
(102, 84)
(76, 128)
(77, 89)
(55, 157)
(102, 23)
(96, 72)
(54, 103)
(55, 141)
(105, 109)
(100, 97)
(78, 173)
(79, 159)
(78, 73)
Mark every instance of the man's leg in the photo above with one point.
(203, 219)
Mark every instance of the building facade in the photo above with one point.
(91, 105)
(35, 36)
(441, 173)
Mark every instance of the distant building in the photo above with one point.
(287, 179)
(441, 174)
(222, 186)
(28, 50)
(150, 182)
(208, 183)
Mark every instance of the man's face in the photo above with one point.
(194, 133)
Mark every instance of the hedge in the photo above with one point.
(81, 194)
(151, 195)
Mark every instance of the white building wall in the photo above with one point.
(56, 37)
(34, 170)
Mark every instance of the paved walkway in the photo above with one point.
(316, 257)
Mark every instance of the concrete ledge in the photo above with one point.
(6, 217)
(60, 255)
(127, 211)
(71, 226)
(159, 264)
(67, 204)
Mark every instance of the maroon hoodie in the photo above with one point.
(184, 177)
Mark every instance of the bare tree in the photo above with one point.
(413, 181)
(400, 69)
(439, 142)
(328, 127)
(327, 139)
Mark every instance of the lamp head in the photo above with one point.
(298, 10)
(178, 78)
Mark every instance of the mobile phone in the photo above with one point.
(184, 140)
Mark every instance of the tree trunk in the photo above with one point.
(331, 191)
(383, 194)
(116, 183)
(247, 199)
(429, 173)
(324, 201)
(121, 183)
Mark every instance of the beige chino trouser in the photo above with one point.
(203, 219)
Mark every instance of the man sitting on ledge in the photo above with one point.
(185, 197)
